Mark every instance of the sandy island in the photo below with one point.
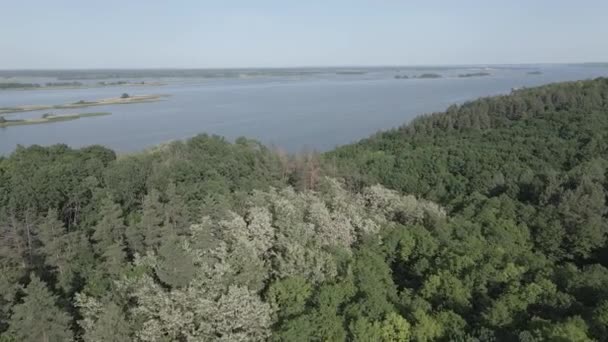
(48, 118)
(82, 103)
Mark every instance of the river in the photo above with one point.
(311, 111)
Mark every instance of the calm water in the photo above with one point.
(295, 112)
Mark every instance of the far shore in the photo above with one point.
(82, 103)
(85, 86)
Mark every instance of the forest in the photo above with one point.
(486, 222)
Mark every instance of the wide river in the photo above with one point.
(318, 111)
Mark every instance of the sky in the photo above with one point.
(68, 34)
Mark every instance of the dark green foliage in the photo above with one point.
(37, 317)
(545, 149)
(189, 241)
(289, 296)
(523, 174)
(111, 326)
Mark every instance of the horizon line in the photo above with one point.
(305, 66)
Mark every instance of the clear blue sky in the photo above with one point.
(265, 33)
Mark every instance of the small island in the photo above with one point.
(401, 77)
(429, 75)
(350, 72)
(47, 118)
(17, 85)
(123, 99)
(537, 72)
(64, 84)
(475, 74)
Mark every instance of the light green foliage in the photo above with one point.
(403, 209)
(175, 265)
(241, 316)
(193, 313)
(573, 329)
(395, 328)
(426, 327)
(102, 322)
(446, 289)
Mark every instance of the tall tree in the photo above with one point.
(37, 317)
(64, 252)
(110, 228)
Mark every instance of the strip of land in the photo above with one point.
(82, 103)
(48, 118)
(474, 74)
(7, 86)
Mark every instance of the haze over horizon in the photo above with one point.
(68, 34)
(371, 66)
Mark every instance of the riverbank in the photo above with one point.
(83, 103)
(48, 119)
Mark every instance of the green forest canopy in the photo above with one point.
(486, 222)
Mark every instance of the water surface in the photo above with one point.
(318, 110)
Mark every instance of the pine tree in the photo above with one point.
(62, 250)
(38, 318)
(149, 231)
(176, 211)
(110, 227)
(12, 265)
(152, 220)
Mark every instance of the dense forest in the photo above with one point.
(486, 222)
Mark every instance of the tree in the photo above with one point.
(395, 328)
(12, 264)
(241, 316)
(110, 228)
(102, 322)
(147, 234)
(582, 212)
(176, 211)
(288, 296)
(124, 96)
(175, 266)
(64, 252)
(37, 317)
(573, 329)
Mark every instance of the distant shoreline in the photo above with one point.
(84, 86)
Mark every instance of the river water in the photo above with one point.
(310, 111)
